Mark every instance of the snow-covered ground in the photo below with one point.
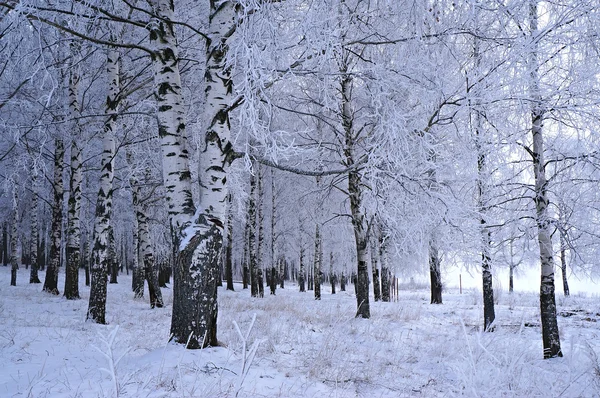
(304, 348)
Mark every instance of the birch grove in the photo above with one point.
(418, 137)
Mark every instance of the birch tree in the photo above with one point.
(73, 255)
(51, 279)
(550, 335)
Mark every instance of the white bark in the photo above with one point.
(100, 259)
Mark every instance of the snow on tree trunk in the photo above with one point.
(550, 335)
(147, 257)
(246, 257)
(74, 204)
(251, 225)
(51, 279)
(483, 176)
(198, 237)
(260, 220)
(355, 193)
(14, 263)
(33, 271)
(100, 262)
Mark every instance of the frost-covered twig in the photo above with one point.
(247, 357)
(108, 353)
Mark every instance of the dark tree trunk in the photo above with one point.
(435, 275)
(273, 284)
(332, 279)
(33, 272)
(282, 273)
(488, 294)
(251, 220)
(511, 279)
(5, 253)
(42, 252)
(14, 263)
(375, 271)
(317, 263)
(51, 280)
(563, 265)
(113, 264)
(343, 283)
(229, 247)
(72, 273)
(261, 283)
(301, 272)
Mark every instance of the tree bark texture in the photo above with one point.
(355, 193)
(100, 261)
(563, 265)
(74, 204)
(260, 220)
(229, 247)
(550, 335)
(302, 271)
(435, 274)
(317, 262)
(198, 236)
(385, 270)
(14, 263)
(33, 271)
(5, 254)
(51, 279)
(251, 225)
(375, 270)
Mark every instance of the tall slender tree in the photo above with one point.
(550, 335)
(100, 262)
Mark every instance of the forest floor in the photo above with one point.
(303, 347)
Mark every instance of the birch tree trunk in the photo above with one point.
(550, 335)
(317, 262)
(332, 277)
(198, 237)
(355, 193)
(147, 256)
(246, 257)
(51, 279)
(483, 175)
(100, 261)
(251, 225)
(33, 271)
(229, 247)
(74, 204)
(137, 280)
(563, 265)
(5, 255)
(14, 263)
(260, 220)
(385, 270)
(435, 273)
(302, 271)
(375, 268)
